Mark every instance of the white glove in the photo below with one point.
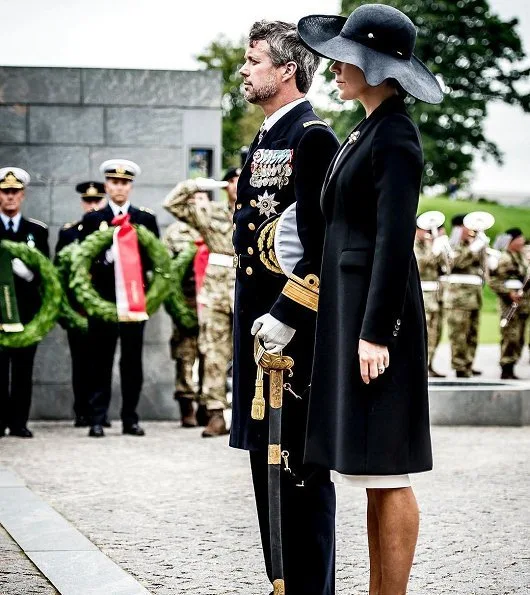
(274, 334)
(21, 270)
(205, 184)
(109, 256)
(440, 244)
(480, 242)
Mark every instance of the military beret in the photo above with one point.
(457, 220)
(233, 172)
(514, 232)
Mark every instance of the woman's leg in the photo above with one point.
(373, 544)
(398, 518)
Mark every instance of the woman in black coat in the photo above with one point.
(368, 413)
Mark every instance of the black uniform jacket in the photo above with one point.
(34, 233)
(370, 289)
(288, 165)
(68, 234)
(102, 272)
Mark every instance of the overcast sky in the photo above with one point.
(167, 34)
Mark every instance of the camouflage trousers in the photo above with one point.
(184, 350)
(215, 343)
(434, 331)
(463, 336)
(513, 339)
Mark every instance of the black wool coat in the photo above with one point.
(103, 273)
(288, 166)
(370, 289)
(34, 233)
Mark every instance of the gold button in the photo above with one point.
(251, 226)
(253, 203)
(249, 271)
(238, 206)
(250, 251)
(233, 226)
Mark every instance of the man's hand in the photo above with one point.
(109, 256)
(516, 296)
(373, 359)
(274, 334)
(21, 270)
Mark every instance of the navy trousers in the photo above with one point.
(308, 529)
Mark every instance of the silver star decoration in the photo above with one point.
(266, 204)
(353, 137)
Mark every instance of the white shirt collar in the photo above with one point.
(116, 209)
(16, 221)
(269, 121)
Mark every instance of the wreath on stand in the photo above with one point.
(81, 280)
(51, 294)
(176, 305)
(69, 317)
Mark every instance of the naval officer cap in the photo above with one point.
(13, 177)
(91, 191)
(120, 168)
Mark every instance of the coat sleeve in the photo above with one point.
(44, 245)
(297, 304)
(397, 165)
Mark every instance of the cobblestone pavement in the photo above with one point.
(177, 511)
(18, 575)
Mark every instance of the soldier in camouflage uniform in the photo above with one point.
(184, 342)
(431, 264)
(213, 220)
(507, 281)
(463, 296)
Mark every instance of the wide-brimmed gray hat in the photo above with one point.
(379, 40)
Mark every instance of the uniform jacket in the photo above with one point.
(430, 268)
(370, 289)
(32, 232)
(513, 266)
(213, 222)
(465, 262)
(103, 273)
(68, 234)
(288, 165)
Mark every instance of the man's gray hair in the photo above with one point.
(286, 46)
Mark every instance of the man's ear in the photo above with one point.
(290, 70)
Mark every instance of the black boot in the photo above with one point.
(508, 373)
(187, 413)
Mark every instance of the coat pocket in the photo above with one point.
(352, 259)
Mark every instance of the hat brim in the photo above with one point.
(321, 34)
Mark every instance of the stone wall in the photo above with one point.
(59, 124)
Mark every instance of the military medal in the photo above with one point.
(266, 204)
(30, 241)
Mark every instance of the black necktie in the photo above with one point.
(120, 213)
(10, 228)
(262, 133)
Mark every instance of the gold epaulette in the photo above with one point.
(303, 291)
(146, 210)
(69, 225)
(41, 223)
(313, 122)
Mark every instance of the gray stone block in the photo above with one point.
(65, 204)
(152, 87)
(479, 403)
(13, 123)
(158, 165)
(52, 362)
(202, 127)
(152, 197)
(143, 126)
(158, 330)
(48, 163)
(40, 85)
(37, 203)
(63, 124)
(52, 401)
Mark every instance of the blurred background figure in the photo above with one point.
(508, 281)
(92, 197)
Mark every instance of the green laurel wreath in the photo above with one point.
(51, 293)
(175, 303)
(91, 247)
(69, 318)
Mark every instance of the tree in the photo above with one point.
(240, 119)
(478, 57)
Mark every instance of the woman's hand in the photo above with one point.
(373, 359)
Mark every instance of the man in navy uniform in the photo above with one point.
(286, 164)
(92, 197)
(103, 336)
(16, 364)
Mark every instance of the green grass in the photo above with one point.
(505, 217)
